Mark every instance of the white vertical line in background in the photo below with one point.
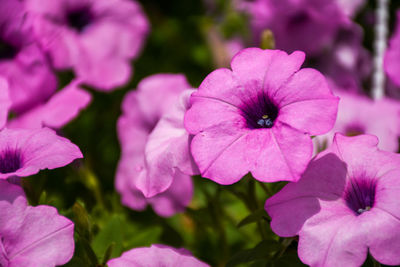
(381, 31)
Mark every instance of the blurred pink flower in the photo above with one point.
(346, 61)
(392, 56)
(361, 115)
(259, 117)
(22, 63)
(24, 152)
(156, 255)
(350, 8)
(57, 111)
(97, 38)
(5, 101)
(307, 25)
(32, 236)
(155, 164)
(345, 205)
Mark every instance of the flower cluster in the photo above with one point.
(285, 111)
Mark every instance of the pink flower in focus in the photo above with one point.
(97, 38)
(155, 164)
(259, 117)
(57, 111)
(32, 236)
(22, 63)
(156, 255)
(307, 25)
(345, 205)
(24, 152)
(361, 115)
(392, 56)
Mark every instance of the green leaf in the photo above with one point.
(83, 255)
(111, 233)
(288, 259)
(263, 251)
(144, 237)
(256, 216)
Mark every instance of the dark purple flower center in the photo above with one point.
(360, 194)
(354, 130)
(298, 19)
(10, 161)
(7, 51)
(260, 112)
(80, 18)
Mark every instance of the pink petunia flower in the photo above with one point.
(156, 255)
(307, 25)
(345, 205)
(392, 56)
(24, 152)
(32, 236)
(155, 164)
(57, 111)
(97, 38)
(22, 63)
(361, 115)
(259, 117)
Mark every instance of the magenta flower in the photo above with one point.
(392, 56)
(155, 160)
(59, 110)
(307, 25)
(346, 62)
(345, 205)
(32, 236)
(97, 38)
(22, 63)
(259, 117)
(24, 152)
(360, 115)
(171, 201)
(156, 255)
(5, 101)
(350, 8)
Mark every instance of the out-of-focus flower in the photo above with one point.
(259, 117)
(361, 115)
(97, 38)
(24, 152)
(350, 8)
(155, 159)
(32, 236)
(22, 63)
(156, 255)
(57, 111)
(345, 205)
(307, 25)
(165, 204)
(392, 56)
(5, 101)
(346, 62)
